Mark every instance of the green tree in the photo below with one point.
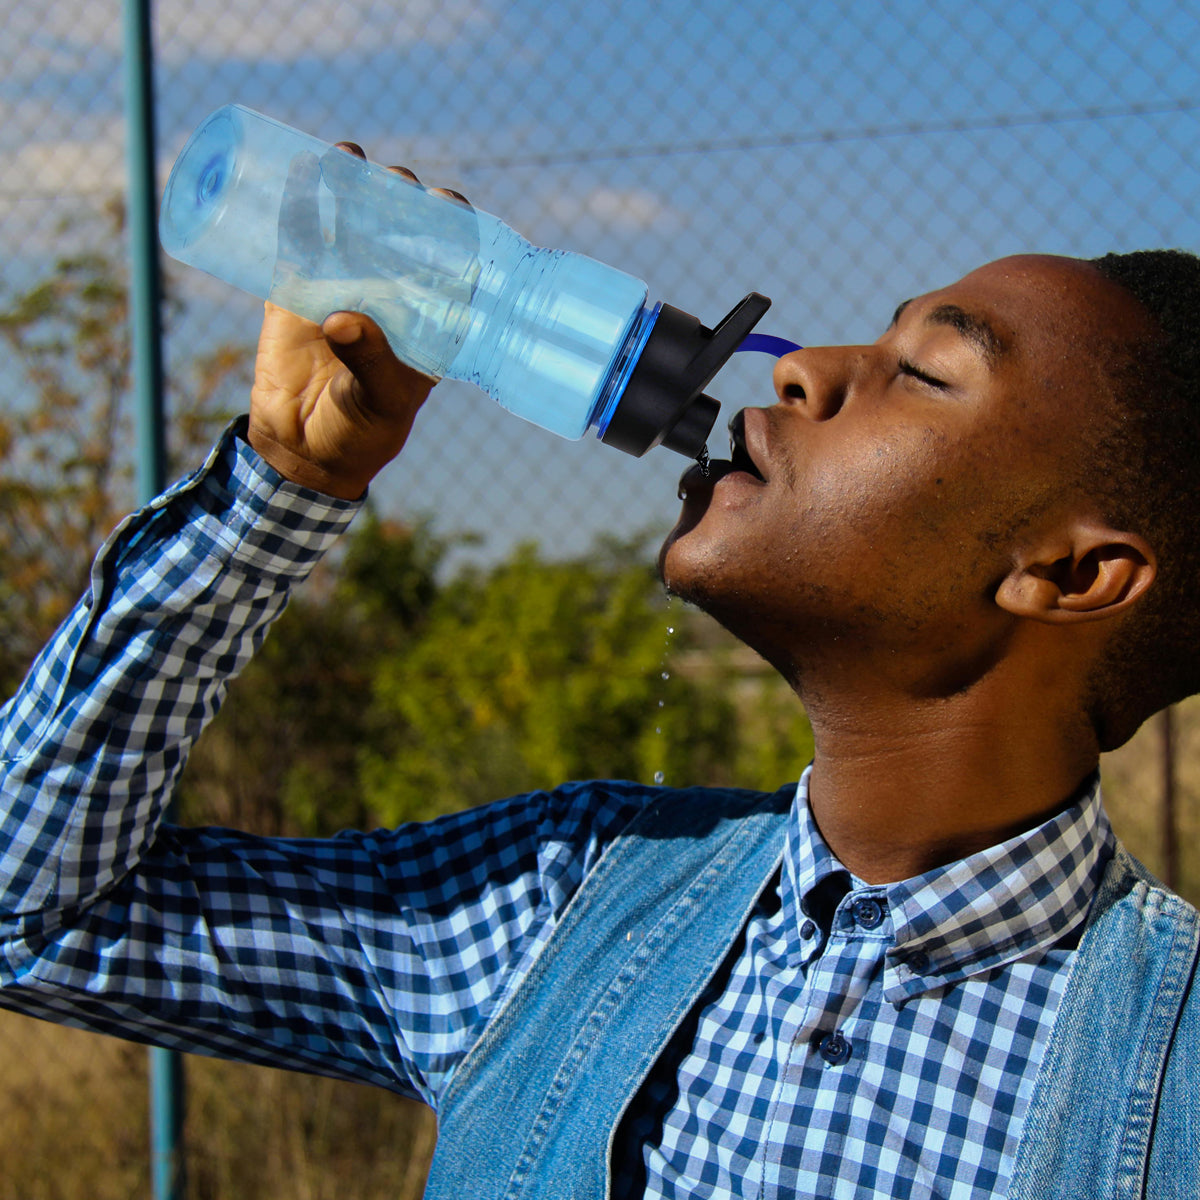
(536, 672)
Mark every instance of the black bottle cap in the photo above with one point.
(663, 401)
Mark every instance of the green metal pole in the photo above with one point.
(144, 284)
(145, 306)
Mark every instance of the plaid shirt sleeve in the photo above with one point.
(375, 957)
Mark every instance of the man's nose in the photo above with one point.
(819, 378)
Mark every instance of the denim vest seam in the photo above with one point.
(1188, 933)
(511, 990)
(679, 1011)
(593, 1026)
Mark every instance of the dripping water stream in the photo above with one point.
(660, 776)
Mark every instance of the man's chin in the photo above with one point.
(675, 571)
(698, 573)
(687, 571)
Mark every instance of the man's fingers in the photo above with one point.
(451, 194)
(343, 329)
(448, 193)
(407, 172)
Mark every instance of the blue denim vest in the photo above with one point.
(1115, 1113)
(534, 1105)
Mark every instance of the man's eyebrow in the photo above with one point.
(976, 329)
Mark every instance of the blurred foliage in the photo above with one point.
(383, 695)
(71, 1097)
(532, 673)
(66, 443)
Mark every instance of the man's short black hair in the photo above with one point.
(1147, 470)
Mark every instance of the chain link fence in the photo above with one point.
(837, 157)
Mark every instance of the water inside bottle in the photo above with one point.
(411, 264)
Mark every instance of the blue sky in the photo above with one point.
(836, 156)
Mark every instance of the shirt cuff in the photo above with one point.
(252, 518)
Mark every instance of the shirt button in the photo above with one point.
(918, 961)
(834, 1049)
(868, 912)
(807, 930)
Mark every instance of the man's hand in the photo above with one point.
(331, 404)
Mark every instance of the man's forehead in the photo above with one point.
(1017, 279)
(1017, 300)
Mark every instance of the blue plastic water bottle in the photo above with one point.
(555, 337)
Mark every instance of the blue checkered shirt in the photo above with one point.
(860, 1041)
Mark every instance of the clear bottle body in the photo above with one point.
(284, 216)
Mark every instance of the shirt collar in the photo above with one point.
(1024, 895)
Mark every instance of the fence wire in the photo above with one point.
(837, 157)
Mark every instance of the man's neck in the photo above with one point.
(897, 790)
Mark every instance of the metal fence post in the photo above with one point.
(144, 282)
(166, 1066)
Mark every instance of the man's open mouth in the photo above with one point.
(739, 456)
(704, 478)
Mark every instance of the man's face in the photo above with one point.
(897, 479)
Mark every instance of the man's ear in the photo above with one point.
(1085, 574)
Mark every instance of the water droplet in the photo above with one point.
(670, 629)
(661, 703)
(659, 776)
(658, 729)
(666, 674)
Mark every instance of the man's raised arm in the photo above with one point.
(181, 596)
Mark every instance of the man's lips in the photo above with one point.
(739, 455)
(739, 461)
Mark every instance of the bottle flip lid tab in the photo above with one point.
(664, 402)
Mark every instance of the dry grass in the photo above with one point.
(1133, 794)
(74, 1126)
(73, 1114)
